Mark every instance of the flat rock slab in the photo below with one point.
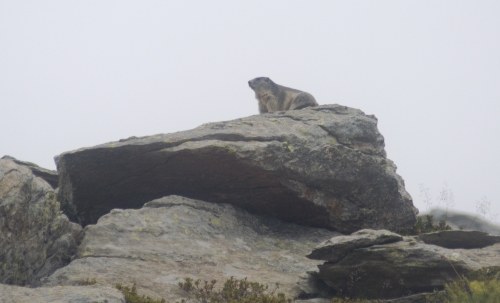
(324, 166)
(335, 249)
(460, 239)
(72, 294)
(172, 238)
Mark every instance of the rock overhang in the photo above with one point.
(323, 167)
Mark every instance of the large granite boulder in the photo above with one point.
(35, 238)
(324, 166)
(396, 268)
(172, 238)
(71, 294)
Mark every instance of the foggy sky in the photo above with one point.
(80, 73)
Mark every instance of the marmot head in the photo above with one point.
(261, 83)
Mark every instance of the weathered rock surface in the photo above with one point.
(335, 249)
(324, 166)
(50, 176)
(460, 239)
(72, 294)
(401, 268)
(175, 237)
(35, 239)
(458, 220)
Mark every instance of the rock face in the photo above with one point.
(50, 176)
(335, 249)
(172, 238)
(323, 166)
(396, 269)
(80, 294)
(35, 239)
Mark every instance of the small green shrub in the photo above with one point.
(422, 227)
(131, 295)
(485, 288)
(233, 291)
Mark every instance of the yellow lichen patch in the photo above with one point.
(87, 252)
(333, 140)
(398, 255)
(229, 148)
(176, 219)
(291, 148)
(186, 231)
(303, 131)
(215, 222)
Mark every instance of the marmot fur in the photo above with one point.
(273, 97)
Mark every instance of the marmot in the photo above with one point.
(273, 97)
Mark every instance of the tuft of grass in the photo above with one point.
(422, 227)
(481, 286)
(233, 290)
(131, 295)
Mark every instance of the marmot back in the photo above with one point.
(273, 97)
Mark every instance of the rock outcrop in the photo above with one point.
(390, 270)
(324, 166)
(335, 249)
(35, 238)
(460, 239)
(50, 176)
(72, 294)
(172, 238)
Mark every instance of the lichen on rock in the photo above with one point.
(35, 238)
